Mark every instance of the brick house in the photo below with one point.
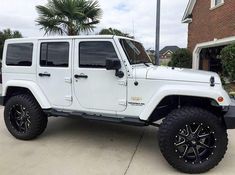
(211, 26)
(167, 52)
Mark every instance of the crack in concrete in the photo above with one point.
(136, 148)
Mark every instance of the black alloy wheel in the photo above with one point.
(19, 118)
(24, 117)
(193, 140)
(195, 143)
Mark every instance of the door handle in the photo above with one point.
(44, 74)
(80, 76)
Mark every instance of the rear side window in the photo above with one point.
(54, 54)
(19, 54)
(93, 54)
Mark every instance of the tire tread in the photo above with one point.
(39, 118)
(184, 114)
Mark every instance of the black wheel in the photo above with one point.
(193, 140)
(24, 117)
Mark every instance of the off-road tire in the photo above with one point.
(38, 120)
(172, 125)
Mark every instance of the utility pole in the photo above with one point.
(157, 43)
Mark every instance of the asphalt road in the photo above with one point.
(78, 147)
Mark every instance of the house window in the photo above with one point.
(216, 3)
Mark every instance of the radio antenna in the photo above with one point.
(133, 28)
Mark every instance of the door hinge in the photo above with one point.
(122, 83)
(68, 98)
(122, 102)
(68, 80)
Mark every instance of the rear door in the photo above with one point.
(54, 71)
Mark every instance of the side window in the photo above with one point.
(54, 54)
(93, 54)
(19, 54)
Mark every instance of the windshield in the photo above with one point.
(135, 52)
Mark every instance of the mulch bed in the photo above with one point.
(230, 87)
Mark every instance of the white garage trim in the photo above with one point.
(215, 43)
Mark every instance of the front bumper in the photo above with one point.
(229, 118)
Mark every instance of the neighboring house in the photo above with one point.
(211, 26)
(150, 52)
(166, 52)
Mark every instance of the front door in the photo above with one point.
(95, 87)
(54, 71)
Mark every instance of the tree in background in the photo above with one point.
(7, 34)
(111, 31)
(69, 17)
(228, 62)
(181, 58)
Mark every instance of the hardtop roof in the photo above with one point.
(66, 37)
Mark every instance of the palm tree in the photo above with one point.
(69, 17)
(111, 31)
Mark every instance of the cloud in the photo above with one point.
(134, 16)
(122, 7)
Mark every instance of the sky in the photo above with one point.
(136, 17)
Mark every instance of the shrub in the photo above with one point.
(7, 34)
(228, 62)
(181, 58)
(112, 31)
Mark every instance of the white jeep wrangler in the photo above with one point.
(112, 79)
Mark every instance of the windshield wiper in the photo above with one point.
(143, 62)
(146, 64)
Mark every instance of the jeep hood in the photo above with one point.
(177, 74)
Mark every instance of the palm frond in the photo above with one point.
(93, 10)
(50, 26)
(45, 11)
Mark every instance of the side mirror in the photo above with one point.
(114, 64)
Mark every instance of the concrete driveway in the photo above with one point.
(78, 147)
